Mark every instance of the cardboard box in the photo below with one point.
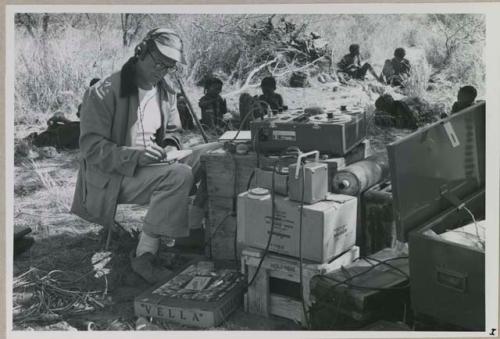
(328, 227)
(207, 304)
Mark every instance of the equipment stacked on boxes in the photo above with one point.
(233, 170)
(309, 232)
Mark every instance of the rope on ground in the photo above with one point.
(41, 296)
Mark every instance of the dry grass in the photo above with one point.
(58, 194)
(54, 68)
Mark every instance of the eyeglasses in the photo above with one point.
(162, 66)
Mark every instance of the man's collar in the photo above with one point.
(127, 85)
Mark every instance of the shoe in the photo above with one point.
(196, 239)
(22, 245)
(145, 267)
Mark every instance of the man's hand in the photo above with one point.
(152, 154)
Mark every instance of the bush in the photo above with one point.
(55, 62)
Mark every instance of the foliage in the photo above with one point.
(57, 54)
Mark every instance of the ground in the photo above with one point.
(43, 190)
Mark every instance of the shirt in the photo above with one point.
(148, 116)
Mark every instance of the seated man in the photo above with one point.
(466, 97)
(270, 97)
(397, 70)
(350, 65)
(124, 118)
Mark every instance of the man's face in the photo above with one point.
(214, 90)
(154, 66)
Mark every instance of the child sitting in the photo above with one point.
(274, 100)
(465, 98)
(213, 107)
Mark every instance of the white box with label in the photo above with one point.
(328, 227)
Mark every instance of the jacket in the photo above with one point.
(109, 114)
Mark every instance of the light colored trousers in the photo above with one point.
(166, 188)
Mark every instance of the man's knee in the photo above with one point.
(180, 174)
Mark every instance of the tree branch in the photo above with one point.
(250, 76)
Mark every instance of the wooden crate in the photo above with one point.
(276, 288)
(361, 305)
(222, 167)
(220, 230)
(202, 313)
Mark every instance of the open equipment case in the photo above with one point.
(438, 183)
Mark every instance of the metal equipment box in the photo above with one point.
(447, 278)
(330, 133)
(438, 184)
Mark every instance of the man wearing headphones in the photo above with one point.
(124, 120)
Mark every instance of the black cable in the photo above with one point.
(242, 123)
(345, 282)
(273, 196)
(249, 182)
(272, 226)
(388, 265)
(301, 279)
(350, 285)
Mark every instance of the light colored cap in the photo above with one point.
(168, 43)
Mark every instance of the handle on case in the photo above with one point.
(304, 155)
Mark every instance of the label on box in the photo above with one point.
(328, 228)
(284, 135)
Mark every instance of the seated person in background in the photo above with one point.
(466, 97)
(394, 113)
(397, 70)
(350, 65)
(61, 132)
(213, 107)
(269, 96)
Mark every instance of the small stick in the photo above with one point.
(191, 111)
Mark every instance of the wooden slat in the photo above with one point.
(258, 292)
(286, 307)
(259, 299)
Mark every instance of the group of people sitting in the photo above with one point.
(406, 113)
(214, 113)
(395, 71)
